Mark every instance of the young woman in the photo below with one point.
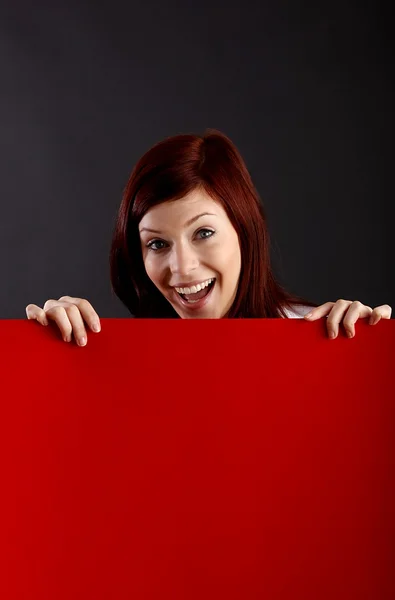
(191, 242)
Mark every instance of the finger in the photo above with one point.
(34, 312)
(380, 312)
(319, 311)
(52, 303)
(335, 316)
(355, 311)
(87, 311)
(77, 323)
(70, 317)
(58, 314)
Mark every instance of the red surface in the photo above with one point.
(235, 459)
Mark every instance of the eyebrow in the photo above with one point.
(187, 224)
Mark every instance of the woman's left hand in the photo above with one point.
(347, 312)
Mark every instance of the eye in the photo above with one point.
(150, 245)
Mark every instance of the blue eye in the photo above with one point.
(150, 245)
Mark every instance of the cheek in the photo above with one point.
(232, 261)
(152, 270)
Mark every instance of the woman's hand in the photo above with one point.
(69, 314)
(348, 312)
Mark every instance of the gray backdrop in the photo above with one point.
(304, 89)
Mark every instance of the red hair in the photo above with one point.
(170, 170)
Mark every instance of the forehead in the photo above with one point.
(178, 211)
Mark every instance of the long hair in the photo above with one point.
(170, 170)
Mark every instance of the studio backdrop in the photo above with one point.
(304, 90)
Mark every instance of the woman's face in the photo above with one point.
(186, 249)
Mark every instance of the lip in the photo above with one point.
(194, 305)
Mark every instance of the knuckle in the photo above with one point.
(31, 310)
(83, 303)
(357, 303)
(49, 303)
(72, 309)
(64, 299)
(54, 310)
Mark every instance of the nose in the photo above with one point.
(183, 259)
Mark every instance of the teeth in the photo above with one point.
(195, 288)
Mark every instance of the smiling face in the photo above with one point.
(184, 250)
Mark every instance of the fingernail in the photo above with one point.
(96, 327)
(45, 322)
(67, 338)
(332, 334)
(350, 334)
(309, 315)
(82, 341)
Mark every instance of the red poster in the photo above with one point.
(198, 459)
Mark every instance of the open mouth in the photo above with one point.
(197, 299)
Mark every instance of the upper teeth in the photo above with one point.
(195, 288)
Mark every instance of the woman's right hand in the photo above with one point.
(69, 314)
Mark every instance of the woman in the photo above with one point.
(191, 242)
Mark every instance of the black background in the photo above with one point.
(304, 90)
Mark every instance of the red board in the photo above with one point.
(169, 459)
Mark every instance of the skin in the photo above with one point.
(347, 312)
(182, 253)
(187, 255)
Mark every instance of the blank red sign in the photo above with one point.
(198, 459)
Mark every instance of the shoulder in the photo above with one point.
(298, 311)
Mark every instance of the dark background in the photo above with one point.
(304, 90)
